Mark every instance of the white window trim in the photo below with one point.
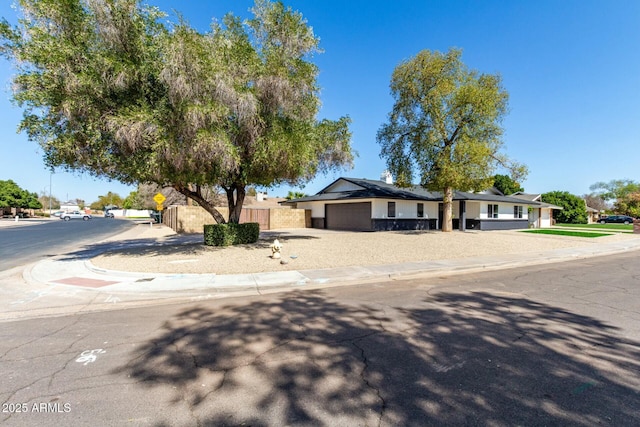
(395, 207)
(518, 212)
(493, 211)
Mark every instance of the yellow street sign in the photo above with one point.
(159, 198)
(159, 207)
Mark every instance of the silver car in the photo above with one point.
(67, 216)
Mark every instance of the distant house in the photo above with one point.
(71, 205)
(370, 205)
(540, 216)
(593, 215)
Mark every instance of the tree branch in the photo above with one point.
(204, 203)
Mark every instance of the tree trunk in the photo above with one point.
(235, 204)
(447, 208)
(197, 197)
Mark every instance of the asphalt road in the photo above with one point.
(27, 244)
(556, 345)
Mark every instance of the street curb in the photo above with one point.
(312, 279)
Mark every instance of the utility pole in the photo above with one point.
(50, 175)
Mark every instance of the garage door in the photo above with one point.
(348, 216)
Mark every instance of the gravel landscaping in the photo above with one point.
(160, 250)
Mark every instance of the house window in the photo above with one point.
(517, 212)
(493, 211)
(391, 209)
(420, 210)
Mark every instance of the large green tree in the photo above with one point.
(628, 205)
(446, 125)
(134, 201)
(574, 208)
(506, 185)
(109, 199)
(12, 196)
(111, 88)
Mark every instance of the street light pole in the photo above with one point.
(50, 174)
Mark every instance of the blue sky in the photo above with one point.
(571, 68)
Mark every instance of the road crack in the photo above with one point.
(368, 384)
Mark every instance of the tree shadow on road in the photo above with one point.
(451, 359)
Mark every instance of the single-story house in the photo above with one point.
(539, 216)
(370, 205)
(593, 215)
(70, 206)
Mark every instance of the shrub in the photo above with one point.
(574, 208)
(231, 234)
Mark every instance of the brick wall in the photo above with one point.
(191, 219)
(288, 218)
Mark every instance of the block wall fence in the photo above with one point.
(191, 219)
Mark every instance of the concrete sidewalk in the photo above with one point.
(82, 273)
(72, 284)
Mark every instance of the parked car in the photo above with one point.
(109, 214)
(619, 219)
(67, 216)
(155, 216)
(12, 215)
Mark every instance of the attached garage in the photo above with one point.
(348, 216)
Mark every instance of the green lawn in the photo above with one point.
(628, 227)
(566, 232)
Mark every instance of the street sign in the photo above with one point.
(159, 198)
(159, 207)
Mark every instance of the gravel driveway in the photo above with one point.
(313, 248)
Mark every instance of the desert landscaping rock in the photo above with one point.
(317, 249)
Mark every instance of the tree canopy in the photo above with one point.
(506, 185)
(109, 199)
(112, 88)
(625, 194)
(574, 209)
(49, 201)
(629, 205)
(295, 195)
(446, 125)
(12, 196)
(615, 189)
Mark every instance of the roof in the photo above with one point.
(370, 189)
(525, 196)
(460, 195)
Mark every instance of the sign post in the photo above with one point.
(159, 198)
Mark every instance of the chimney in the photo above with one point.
(386, 177)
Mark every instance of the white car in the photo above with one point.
(67, 216)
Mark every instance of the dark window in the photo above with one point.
(517, 212)
(391, 209)
(493, 211)
(420, 210)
